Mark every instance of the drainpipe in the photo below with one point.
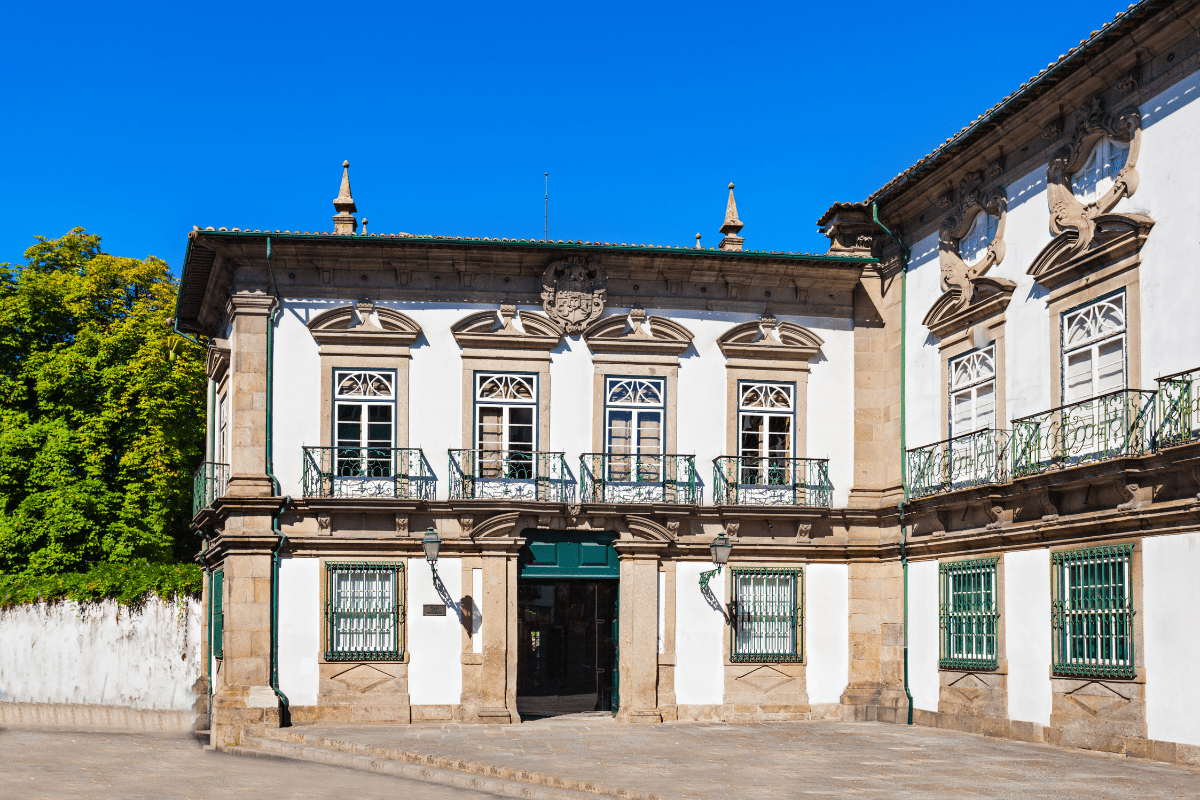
(285, 718)
(905, 255)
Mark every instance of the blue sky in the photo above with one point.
(139, 121)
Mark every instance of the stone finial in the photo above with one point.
(732, 226)
(697, 241)
(344, 221)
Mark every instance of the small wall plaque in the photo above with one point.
(433, 610)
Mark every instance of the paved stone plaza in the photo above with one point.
(762, 761)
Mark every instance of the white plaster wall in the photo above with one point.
(827, 631)
(923, 677)
(571, 401)
(434, 643)
(1027, 634)
(699, 632)
(1171, 620)
(299, 629)
(922, 379)
(101, 654)
(296, 391)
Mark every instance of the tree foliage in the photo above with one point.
(101, 410)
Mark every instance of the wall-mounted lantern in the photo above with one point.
(431, 544)
(720, 548)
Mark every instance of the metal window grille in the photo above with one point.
(216, 603)
(968, 617)
(766, 612)
(363, 611)
(1092, 612)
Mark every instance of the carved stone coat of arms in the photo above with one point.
(573, 292)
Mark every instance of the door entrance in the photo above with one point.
(566, 659)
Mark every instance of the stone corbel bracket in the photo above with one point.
(1133, 495)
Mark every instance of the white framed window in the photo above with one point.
(973, 391)
(221, 445)
(766, 441)
(972, 247)
(1093, 356)
(1098, 173)
(506, 423)
(633, 411)
(364, 405)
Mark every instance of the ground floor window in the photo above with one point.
(968, 614)
(363, 611)
(766, 612)
(1092, 612)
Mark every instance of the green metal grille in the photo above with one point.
(968, 616)
(216, 603)
(1092, 612)
(208, 483)
(769, 481)
(1178, 402)
(638, 478)
(510, 475)
(766, 610)
(363, 611)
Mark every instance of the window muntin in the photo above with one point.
(766, 443)
(1094, 349)
(633, 422)
(506, 424)
(1092, 612)
(363, 611)
(364, 423)
(968, 614)
(766, 605)
(1097, 175)
(973, 391)
(972, 247)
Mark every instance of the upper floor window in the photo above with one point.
(1094, 349)
(974, 244)
(973, 391)
(365, 421)
(221, 456)
(633, 411)
(505, 422)
(766, 419)
(1098, 173)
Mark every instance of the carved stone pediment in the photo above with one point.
(501, 526)
(573, 292)
(1113, 238)
(989, 296)
(768, 338)
(640, 528)
(507, 329)
(356, 325)
(636, 333)
(217, 362)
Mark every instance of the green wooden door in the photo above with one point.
(554, 554)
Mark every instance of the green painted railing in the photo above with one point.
(968, 614)
(396, 472)
(642, 478)
(510, 475)
(208, 484)
(1113, 425)
(1092, 612)
(758, 481)
(1178, 409)
(969, 459)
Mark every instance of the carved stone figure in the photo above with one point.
(968, 199)
(573, 292)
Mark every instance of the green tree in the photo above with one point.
(100, 410)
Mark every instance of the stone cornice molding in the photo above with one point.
(635, 333)
(766, 338)
(510, 330)
(356, 325)
(990, 297)
(253, 302)
(217, 359)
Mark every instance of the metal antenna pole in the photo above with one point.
(546, 231)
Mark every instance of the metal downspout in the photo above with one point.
(905, 255)
(285, 717)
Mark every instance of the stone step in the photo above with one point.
(264, 747)
(563, 787)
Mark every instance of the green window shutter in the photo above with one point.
(1092, 612)
(364, 611)
(968, 615)
(767, 606)
(217, 605)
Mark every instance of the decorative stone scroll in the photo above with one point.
(767, 338)
(574, 292)
(355, 325)
(636, 333)
(507, 329)
(1089, 235)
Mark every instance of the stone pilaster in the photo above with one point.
(498, 676)
(876, 688)
(248, 395)
(638, 636)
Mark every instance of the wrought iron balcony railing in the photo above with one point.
(1178, 409)
(759, 481)
(638, 478)
(510, 475)
(208, 484)
(1112, 425)
(960, 462)
(397, 472)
